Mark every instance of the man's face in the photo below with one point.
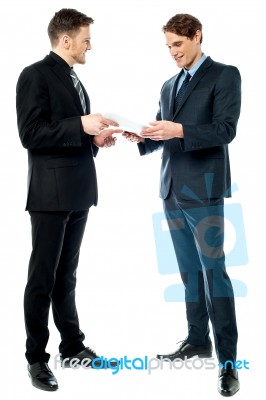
(186, 52)
(78, 46)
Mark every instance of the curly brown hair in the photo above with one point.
(67, 20)
(183, 25)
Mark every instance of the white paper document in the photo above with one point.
(126, 124)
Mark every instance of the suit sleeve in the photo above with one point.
(225, 113)
(36, 130)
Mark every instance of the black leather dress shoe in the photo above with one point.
(228, 383)
(42, 377)
(186, 351)
(86, 359)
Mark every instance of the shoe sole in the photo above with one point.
(205, 355)
(225, 394)
(202, 355)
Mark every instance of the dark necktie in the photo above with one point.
(78, 88)
(182, 90)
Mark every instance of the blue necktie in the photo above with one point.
(182, 90)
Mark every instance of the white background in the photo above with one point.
(120, 293)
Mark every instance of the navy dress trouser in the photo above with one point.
(197, 232)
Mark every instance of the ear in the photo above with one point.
(197, 36)
(66, 41)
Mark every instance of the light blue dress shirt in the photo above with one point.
(192, 71)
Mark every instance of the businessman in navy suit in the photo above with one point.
(62, 137)
(197, 119)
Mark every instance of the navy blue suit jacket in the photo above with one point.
(198, 165)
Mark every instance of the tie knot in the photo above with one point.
(74, 75)
(188, 76)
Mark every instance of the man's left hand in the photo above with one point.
(163, 130)
(105, 139)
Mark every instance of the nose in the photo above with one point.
(173, 51)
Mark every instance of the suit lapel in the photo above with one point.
(193, 82)
(66, 80)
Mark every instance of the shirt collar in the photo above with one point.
(195, 67)
(61, 61)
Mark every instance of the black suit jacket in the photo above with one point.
(198, 166)
(61, 174)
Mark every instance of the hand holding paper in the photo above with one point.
(105, 138)
(126, 124)
(93, 124)
(132, 137)
(163, 130)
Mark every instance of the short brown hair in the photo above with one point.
(183, 25)
(67, 21)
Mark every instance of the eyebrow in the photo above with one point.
(175, 43)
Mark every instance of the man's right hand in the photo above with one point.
(93, 124)
(133, 138)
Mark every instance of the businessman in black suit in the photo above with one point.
(197, 118)
(62, 137)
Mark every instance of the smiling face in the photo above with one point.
(73, 47)
(186, 52)
(79, 45)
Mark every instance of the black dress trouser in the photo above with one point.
(56, 241)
